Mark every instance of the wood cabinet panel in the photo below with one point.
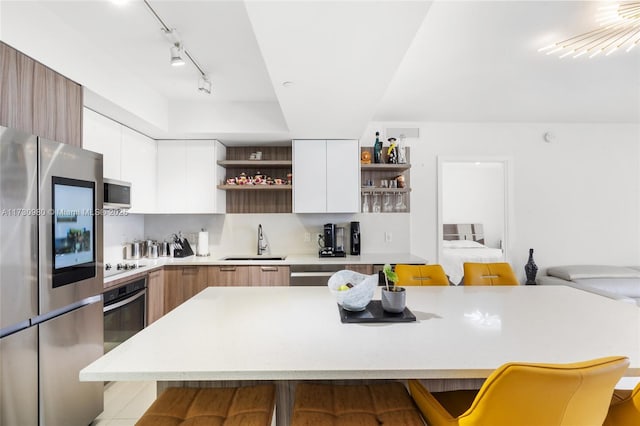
(226, 276)
(37, 100)
(44, 102)
(245, 275)
(73, 116)
(269, 275)
(181, 283)
(173, 290)
(194, 280)
(155, 295)
(363, 269)
(16, 89)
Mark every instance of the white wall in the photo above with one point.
(575, 200)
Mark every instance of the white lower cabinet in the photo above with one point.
(326, 176)
(187, 176)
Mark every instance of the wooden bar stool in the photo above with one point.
(354, 405)
(246, 406)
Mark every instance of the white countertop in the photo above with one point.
(290, 259)
(295, 333)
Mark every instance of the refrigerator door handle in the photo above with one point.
(13, 328)
(121, 303)
(56, 313)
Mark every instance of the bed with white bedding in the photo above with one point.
(465, 243)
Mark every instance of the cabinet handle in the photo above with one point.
(269, 268)
(227, 268)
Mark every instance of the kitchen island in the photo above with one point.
(294, 333)
(287, 333)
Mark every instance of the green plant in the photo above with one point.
(389, 275)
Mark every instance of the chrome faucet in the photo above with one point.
(262, 242)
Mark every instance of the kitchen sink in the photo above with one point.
(256, 257)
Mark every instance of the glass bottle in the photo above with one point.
(377, 149)
(402, 153)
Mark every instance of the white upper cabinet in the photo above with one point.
(309, 176)
(326, 176)
(187, 177)
(126, 155)
(139, 157)
(103, 135)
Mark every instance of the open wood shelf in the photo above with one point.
(385, 167)
(256, 164)
(380, 190)
(255, 187)
(276, 163)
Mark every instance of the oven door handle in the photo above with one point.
(121, 303)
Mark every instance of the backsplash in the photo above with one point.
(119, 230)
(237, 233)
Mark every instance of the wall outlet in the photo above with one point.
(307, 237)
(387, 237)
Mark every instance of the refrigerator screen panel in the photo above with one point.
(74, 254)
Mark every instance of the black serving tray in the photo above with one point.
(374, 313)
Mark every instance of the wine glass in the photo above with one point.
(400, 205)
(365, 202)
(376, 203)
(387, 206)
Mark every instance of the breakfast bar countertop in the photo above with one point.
(295, 333)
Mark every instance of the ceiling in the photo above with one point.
(349, 63)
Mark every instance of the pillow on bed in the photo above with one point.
(575, 272)
(464, 244)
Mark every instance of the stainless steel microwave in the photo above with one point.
(117, 194)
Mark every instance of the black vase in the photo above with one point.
(531, 269)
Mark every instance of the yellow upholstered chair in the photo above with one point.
(525, 394)
(421, 275)
(489, 274)
(625, 408)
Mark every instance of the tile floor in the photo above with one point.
(125, 402)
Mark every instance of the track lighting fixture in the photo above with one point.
(179, 53)
(204, 84)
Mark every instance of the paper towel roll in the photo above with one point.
(203, 243)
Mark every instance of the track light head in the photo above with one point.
(177, 53)
(204, 84)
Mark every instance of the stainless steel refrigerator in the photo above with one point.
(50, 281)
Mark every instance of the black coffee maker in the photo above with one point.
(355, 239)
(332, 241)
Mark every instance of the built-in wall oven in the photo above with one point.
(125, 312)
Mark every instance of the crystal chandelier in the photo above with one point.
(619, 29)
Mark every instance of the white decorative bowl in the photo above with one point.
(358, 297)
